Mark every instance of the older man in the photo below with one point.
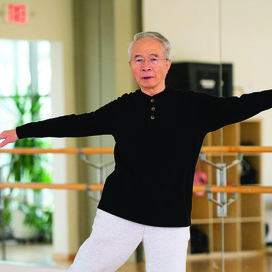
(158, 132)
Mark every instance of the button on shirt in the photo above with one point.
(152, 109)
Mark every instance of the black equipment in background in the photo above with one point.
(199, 241)
(201, 77)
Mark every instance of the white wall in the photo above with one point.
(190, 25)
(243, 28)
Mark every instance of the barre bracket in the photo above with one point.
(90, 193)
(221, 179)
(101, 172)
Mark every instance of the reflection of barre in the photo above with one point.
(233, 189)
(236, 149)
(109, 150)
(99, 187)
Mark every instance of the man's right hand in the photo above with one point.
(9, 136)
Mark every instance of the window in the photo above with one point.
(25, 85)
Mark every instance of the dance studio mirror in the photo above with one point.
(246, 28)
(234, 34)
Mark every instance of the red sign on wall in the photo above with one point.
(17, 14)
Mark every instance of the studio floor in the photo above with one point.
(42, 255)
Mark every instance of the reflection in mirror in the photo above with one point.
(246, 42)
(237, 33)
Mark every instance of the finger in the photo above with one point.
(2, 135)
(3, 143)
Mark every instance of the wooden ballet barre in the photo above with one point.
(109, 150)
(99, 187)
(85, 150)
(39, 186)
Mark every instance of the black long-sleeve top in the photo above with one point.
(158, 140)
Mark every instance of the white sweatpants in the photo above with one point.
(114, 239)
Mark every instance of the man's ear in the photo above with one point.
(168, 64)
(130, 64)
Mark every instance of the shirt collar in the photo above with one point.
(158, 95)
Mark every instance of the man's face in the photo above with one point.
(150, 77)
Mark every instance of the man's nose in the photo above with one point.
(146, 65)
(146, 68)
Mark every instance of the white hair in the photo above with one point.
(151, 35)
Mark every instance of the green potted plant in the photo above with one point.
(32, 221)
(27, 210)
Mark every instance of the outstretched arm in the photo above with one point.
(9, 136)
(99, 122)
(225, 111)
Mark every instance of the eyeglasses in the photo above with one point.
(152, 60)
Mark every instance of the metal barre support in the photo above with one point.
(221, 180)
(101, 172)
(210, 197)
